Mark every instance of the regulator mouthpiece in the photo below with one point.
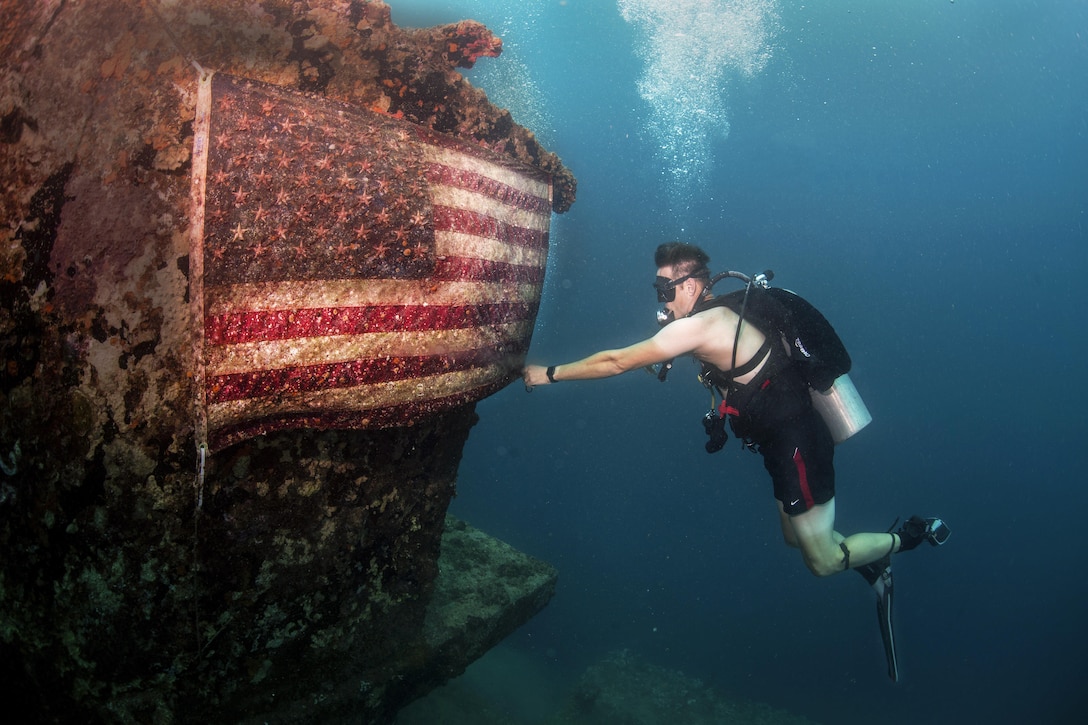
(664, 317)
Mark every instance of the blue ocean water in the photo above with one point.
(919, 170)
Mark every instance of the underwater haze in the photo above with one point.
(919, 171)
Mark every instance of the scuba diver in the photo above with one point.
(767, 398)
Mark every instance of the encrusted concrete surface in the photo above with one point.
(484, 591)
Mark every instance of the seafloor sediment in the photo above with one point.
(622, 687)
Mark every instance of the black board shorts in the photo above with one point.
(797, 448)
(800, 458)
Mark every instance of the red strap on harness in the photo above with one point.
(724, 410)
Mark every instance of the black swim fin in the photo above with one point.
(879, 576)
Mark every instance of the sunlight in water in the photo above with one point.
(692, 50)
(510, 84)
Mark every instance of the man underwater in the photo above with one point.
(770, 408)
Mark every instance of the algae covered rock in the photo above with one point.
(624, 688)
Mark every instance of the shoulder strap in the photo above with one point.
(732, 300)
(754, 361)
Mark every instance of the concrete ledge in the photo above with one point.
(484, 591)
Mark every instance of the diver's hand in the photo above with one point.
(534, 375)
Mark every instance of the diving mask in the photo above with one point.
(666, 288)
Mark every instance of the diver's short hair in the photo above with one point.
(684, 258)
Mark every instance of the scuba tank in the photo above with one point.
(842, 408)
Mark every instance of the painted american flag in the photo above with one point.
(353, 270)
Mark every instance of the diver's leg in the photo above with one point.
(826, 551)
(787, 528)
(814, 531)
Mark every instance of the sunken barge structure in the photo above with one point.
(259, 261)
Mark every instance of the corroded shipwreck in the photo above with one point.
(258, 262)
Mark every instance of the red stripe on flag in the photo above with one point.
(261, 325)
(448, 219)
(470, 181)
(313, 378)
(384, 417)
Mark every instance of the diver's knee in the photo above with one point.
(826, 563)
(823, 568)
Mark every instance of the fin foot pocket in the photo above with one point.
(915, 530)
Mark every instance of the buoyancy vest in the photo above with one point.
(808, 341)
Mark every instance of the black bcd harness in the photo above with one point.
(814, 347)
(810, 342)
